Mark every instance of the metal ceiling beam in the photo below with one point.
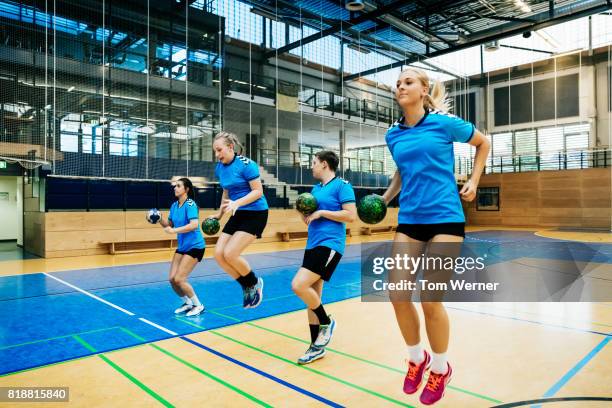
(335, 28)
(492, 34)
(386, 25)
(494, 17)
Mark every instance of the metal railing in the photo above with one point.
(542, 161)
(260, 85)
(270, 157)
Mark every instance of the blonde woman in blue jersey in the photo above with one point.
(183, 221)
(325, 246)
(421, 143)
(243, 199)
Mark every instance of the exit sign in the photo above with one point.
(2, 165)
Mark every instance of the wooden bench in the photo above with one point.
(377, 230)
(287, 236)
(129, 247)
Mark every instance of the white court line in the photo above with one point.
(484, 240)
(157, 326)
(90, 294)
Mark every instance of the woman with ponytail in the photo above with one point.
(243, 199)
(430, 211)
(183, 221)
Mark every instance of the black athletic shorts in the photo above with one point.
(252, 222)
(322, 261)
(195, 253)
(425, 232)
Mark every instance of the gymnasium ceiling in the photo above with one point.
(410, 31)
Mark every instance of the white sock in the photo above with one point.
(416, 354)
(186, 300)
(195, 300)
(439, 363)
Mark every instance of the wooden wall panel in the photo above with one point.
(85, 221)
(80, 233)
(569, 198)
(69, 240)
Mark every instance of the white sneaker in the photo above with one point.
(326, 331)
(184, 308)
(195, 310)
(313, 353)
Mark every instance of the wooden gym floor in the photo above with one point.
(103, 326)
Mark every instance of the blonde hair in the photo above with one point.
(230, 139)
(436, 99)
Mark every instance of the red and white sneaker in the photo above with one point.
(414, 376)
(436, 385)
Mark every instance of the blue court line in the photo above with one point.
(263, 373)
(574, 370)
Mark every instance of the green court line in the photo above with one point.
(474, 394)
(25, 370)
(130, 377)
(67, 361)
(312, 370)
(58, 337)
(199, 370)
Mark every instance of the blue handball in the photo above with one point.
(153, 216)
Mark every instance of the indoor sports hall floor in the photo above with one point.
(104, 326)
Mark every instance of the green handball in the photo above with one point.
(210, 226)
(372, 209)
(306, 204)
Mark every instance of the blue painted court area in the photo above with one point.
(42, 314)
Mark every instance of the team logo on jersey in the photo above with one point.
(190, 202)
(397, 122)
(245, 160)
(439, 112)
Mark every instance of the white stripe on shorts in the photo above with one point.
(331, 255)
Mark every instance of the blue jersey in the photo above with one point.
(325, 232)
(235, 177)
(425, 159)
(181, 216)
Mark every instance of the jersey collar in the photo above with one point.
(323, 185)
(401, 120)
(230, 163)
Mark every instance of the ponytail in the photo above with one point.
(437, 98)
(230, 139)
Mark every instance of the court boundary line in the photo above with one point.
(123, 372)
(549, 400)
(57, 337)
(198, 277)
(238, 322)
(363, 360)
(577, 367)
(91, 295)
(262, 373)
(321, 373)
(34, 367)
(199, 370)
(157, 326)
